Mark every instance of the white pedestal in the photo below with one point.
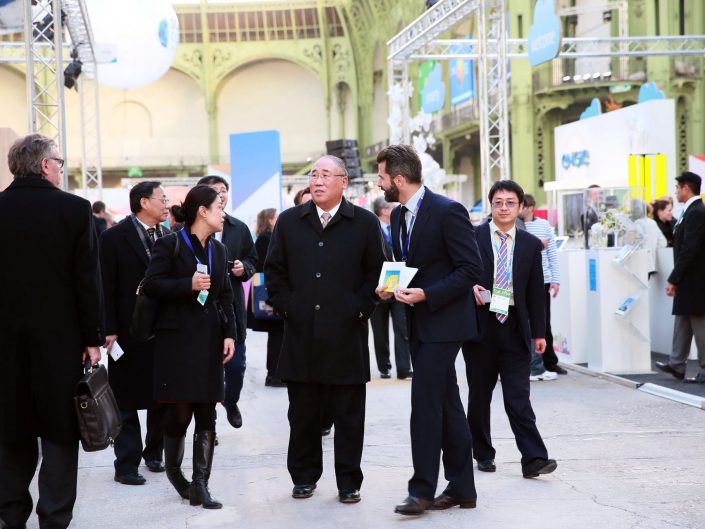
(569, 309)
(615, 345)
(661, 306)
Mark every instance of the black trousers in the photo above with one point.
(128, 445)
(380, 331)
(306, 407)
(502, 352)
(57, 483)
(438, 423)
(550, 360)
(275, 339)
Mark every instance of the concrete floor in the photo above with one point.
(626, 459)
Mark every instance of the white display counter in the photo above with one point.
(569, 309)
(618, 344)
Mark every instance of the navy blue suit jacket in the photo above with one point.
(527, 282)
(444, 249)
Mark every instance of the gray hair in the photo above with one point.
(378, 205)
(26, 154)
(339, 163)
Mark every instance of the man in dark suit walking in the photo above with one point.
(686, 283)
(50, 321)
(125, 250)
(242, 264)
(322, 268)
(513, 278)
(380, 317)
(434, 234)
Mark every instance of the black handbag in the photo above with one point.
(144, 314)
(99, 418)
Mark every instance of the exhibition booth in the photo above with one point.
(612, 310)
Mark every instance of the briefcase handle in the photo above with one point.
(87, 367)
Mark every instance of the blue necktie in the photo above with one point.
(502, 279)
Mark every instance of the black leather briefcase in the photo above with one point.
(99, 419)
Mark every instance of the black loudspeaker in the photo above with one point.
(348, 151)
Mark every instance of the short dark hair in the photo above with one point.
(24, 158)
(529, 201)
(300, 195)
(506, 185)
(213, 179)
(401, 160)
(690, 179)
(98, 207)
(139, 191)
(199, 195)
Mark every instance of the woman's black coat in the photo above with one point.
(262, 325)
(188, 351)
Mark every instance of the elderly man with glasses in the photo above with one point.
(322, 268)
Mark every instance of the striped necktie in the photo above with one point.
(502, 279)
(152, 232)
(325, 219)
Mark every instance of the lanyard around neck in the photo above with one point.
(407, 239)
(187, 240)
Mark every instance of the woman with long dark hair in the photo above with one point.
(195, 336)
(274, 328)
(663, 215)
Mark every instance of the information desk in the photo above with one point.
(619, 344)
(569, 309)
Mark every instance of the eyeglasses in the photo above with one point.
(509, 204)
(323, 176)
(164, 200)
(60, 161)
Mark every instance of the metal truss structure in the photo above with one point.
(45, 53)
(493, 50)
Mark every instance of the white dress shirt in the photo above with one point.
(332, 211)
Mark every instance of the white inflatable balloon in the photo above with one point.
(142, 36)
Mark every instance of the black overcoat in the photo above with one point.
(238, 243)
(123, 262)
(50, 308)
(188, 349)
(262, 325)
(323, 283)
(689, 262)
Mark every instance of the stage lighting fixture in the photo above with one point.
(72, 71)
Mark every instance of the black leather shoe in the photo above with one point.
(666, 368)
(349, 496)
(413, 506)
(325, 430)
(155, 465)
(385, 374)
(444, 501)
(486, 465)
(234, 416)
(557, 370)
(303, 491)
(697, 379)
(131, 479)
(403, 375)
(539, 466)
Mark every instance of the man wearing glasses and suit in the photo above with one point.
(125, 251)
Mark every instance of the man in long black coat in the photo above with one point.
(321, 272)
(242, 263)
(687, 280)
(50, 317)
(125, 250)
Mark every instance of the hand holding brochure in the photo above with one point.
(395, 275)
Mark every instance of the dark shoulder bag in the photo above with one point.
(99, 418)
(145, 314)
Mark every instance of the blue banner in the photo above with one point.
(462, 76)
